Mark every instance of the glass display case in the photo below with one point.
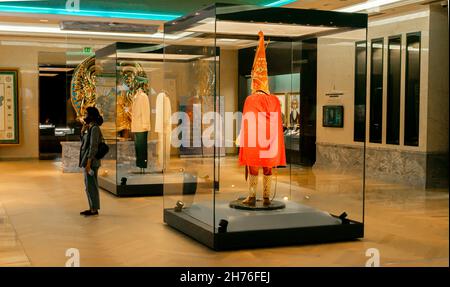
(209, 68)
(128, 93)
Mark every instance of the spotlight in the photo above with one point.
(286, 198)
(179, 206)
(123, 181)
(223, 224)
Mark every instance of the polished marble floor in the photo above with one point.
(39, 221)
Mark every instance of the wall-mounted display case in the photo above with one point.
(306, 204)
(333, 116)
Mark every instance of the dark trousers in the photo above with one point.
(91, 188)
(140, 144)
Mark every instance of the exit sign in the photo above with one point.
(88, 50)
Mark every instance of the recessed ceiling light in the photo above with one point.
(55, 29)
(47, 75)
(54, 69)
(227, 40)
(373, 4)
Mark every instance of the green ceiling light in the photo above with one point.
(89, 13)
(279, 3)
(29, 9)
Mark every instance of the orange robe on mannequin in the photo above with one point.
(261, 146)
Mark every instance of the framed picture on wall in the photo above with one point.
(9, 106)
(333, 116)
(294, 110)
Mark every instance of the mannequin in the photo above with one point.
(140, 123)
(163, 126)
(266, 109)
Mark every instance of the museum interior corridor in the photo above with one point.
(342, 106)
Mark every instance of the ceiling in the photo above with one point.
(175, 7)
(392, 7)
(168, 8)
(164, 10)
(323, 4)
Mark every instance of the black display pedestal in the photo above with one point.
(223, 240)
(124, 190)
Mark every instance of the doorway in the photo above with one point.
(56, 118)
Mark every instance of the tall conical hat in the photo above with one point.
(260, 79)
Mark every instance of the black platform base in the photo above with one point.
(131, 190)
(124, 189)
(218, 241)
(274, 204)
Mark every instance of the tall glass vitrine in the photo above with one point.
(311, 62)
(129, 94)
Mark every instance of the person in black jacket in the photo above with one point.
(91, 137)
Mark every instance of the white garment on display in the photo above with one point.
(140, 118)
(163, 113)
(163, 126)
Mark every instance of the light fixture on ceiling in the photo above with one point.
(88, 13)
(54, 69)
(156, 56)
(398, 19)
(23, 0)
(227, 40)
(371, 4)
(54, 29)
(108, 27)
(279, 3)
(74, 62)
(47, 75)
(251, 29)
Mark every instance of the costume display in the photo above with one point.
(266, 109)
(84, 92)
(163, 126)
(205, 196)
(140, 126)
(129, 83)
(125, 98)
